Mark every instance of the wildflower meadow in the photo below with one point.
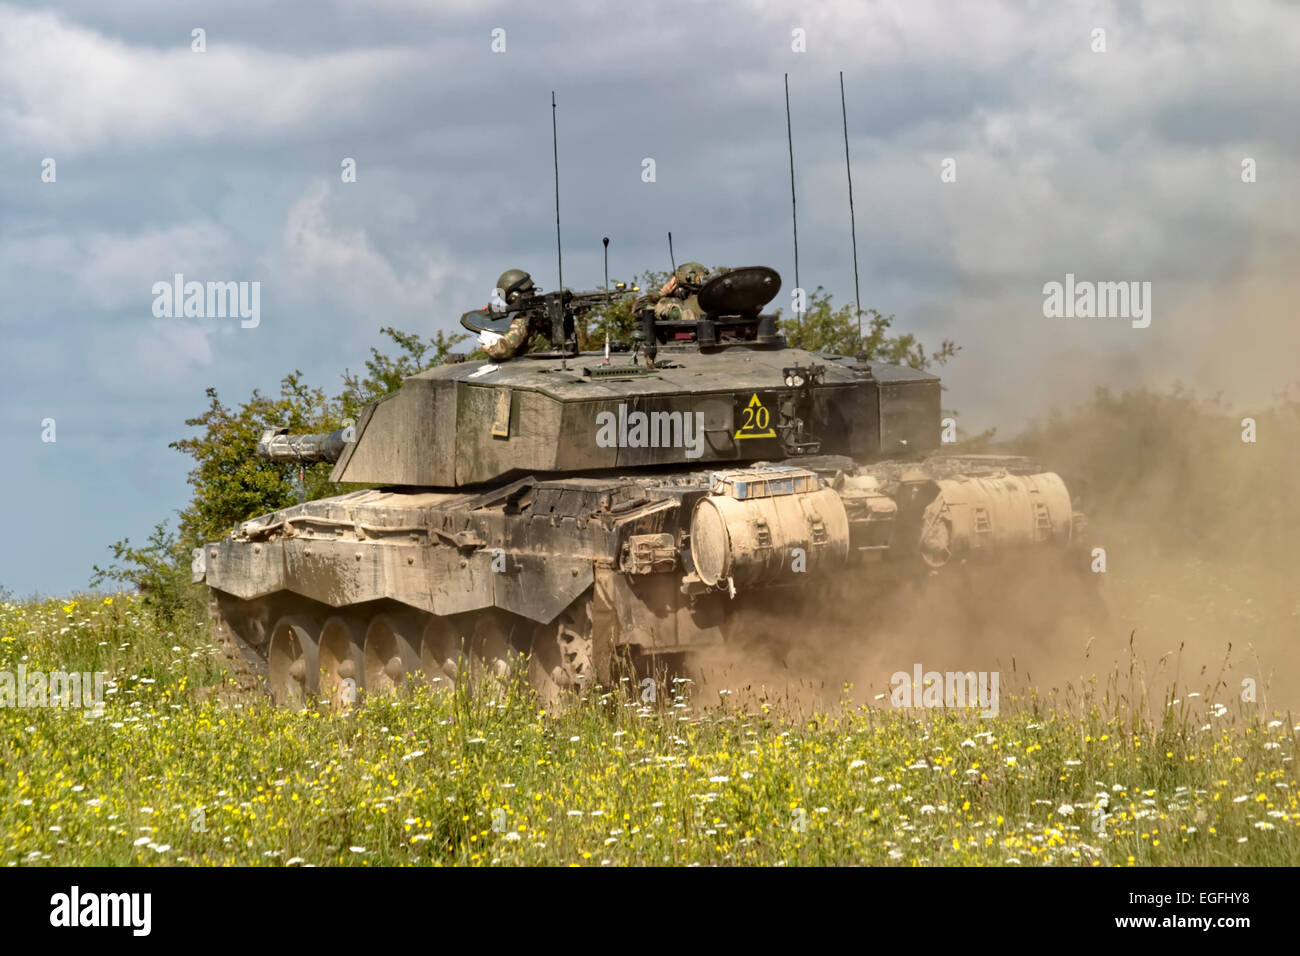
(178, 766)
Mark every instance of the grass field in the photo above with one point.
(180, 768)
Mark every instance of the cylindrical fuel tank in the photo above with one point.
(765, 525)
(974, 515)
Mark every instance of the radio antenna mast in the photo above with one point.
(671, 258)
(853, 226)
(605, 242)
(555, 152)
(794, 215)
(557, 312)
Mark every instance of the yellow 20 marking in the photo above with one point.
(757, 420)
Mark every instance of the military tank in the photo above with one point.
(580, 510)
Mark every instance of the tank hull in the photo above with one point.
(572, 574)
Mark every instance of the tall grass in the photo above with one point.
(181, 768)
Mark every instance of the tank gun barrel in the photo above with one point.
(278, 445)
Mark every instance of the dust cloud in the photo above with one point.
(1200, 527)
(1199, 593)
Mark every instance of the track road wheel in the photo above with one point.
(341, 662)
(444, 650)
(291, 665)
(491, 654)
(389, 655)
(560, 665)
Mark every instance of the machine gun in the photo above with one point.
(558, 308)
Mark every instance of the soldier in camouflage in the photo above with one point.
(513, 284)
(677, 299)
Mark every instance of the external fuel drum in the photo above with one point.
(767, 524)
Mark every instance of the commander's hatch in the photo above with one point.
(731, 303)
(740, 292)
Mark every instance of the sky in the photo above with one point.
(996, 148)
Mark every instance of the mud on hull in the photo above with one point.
(574, 577)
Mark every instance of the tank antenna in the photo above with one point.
(605, 243)
(555, 152)
(853, 226)
(559, 254)
(671, 258)
(794, 215)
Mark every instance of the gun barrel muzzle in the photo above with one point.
(278, 445)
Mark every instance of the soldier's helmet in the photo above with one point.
(514, 283)
(691, 274)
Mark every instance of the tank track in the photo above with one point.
(247, 669)
(388, 644)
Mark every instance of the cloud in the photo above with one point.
(83, 272)
(151, 359)
(341, 262)
(118, 272)
(108, 94)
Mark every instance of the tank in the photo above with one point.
(574, 513)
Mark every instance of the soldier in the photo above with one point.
(676, 299)
(514, 285)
